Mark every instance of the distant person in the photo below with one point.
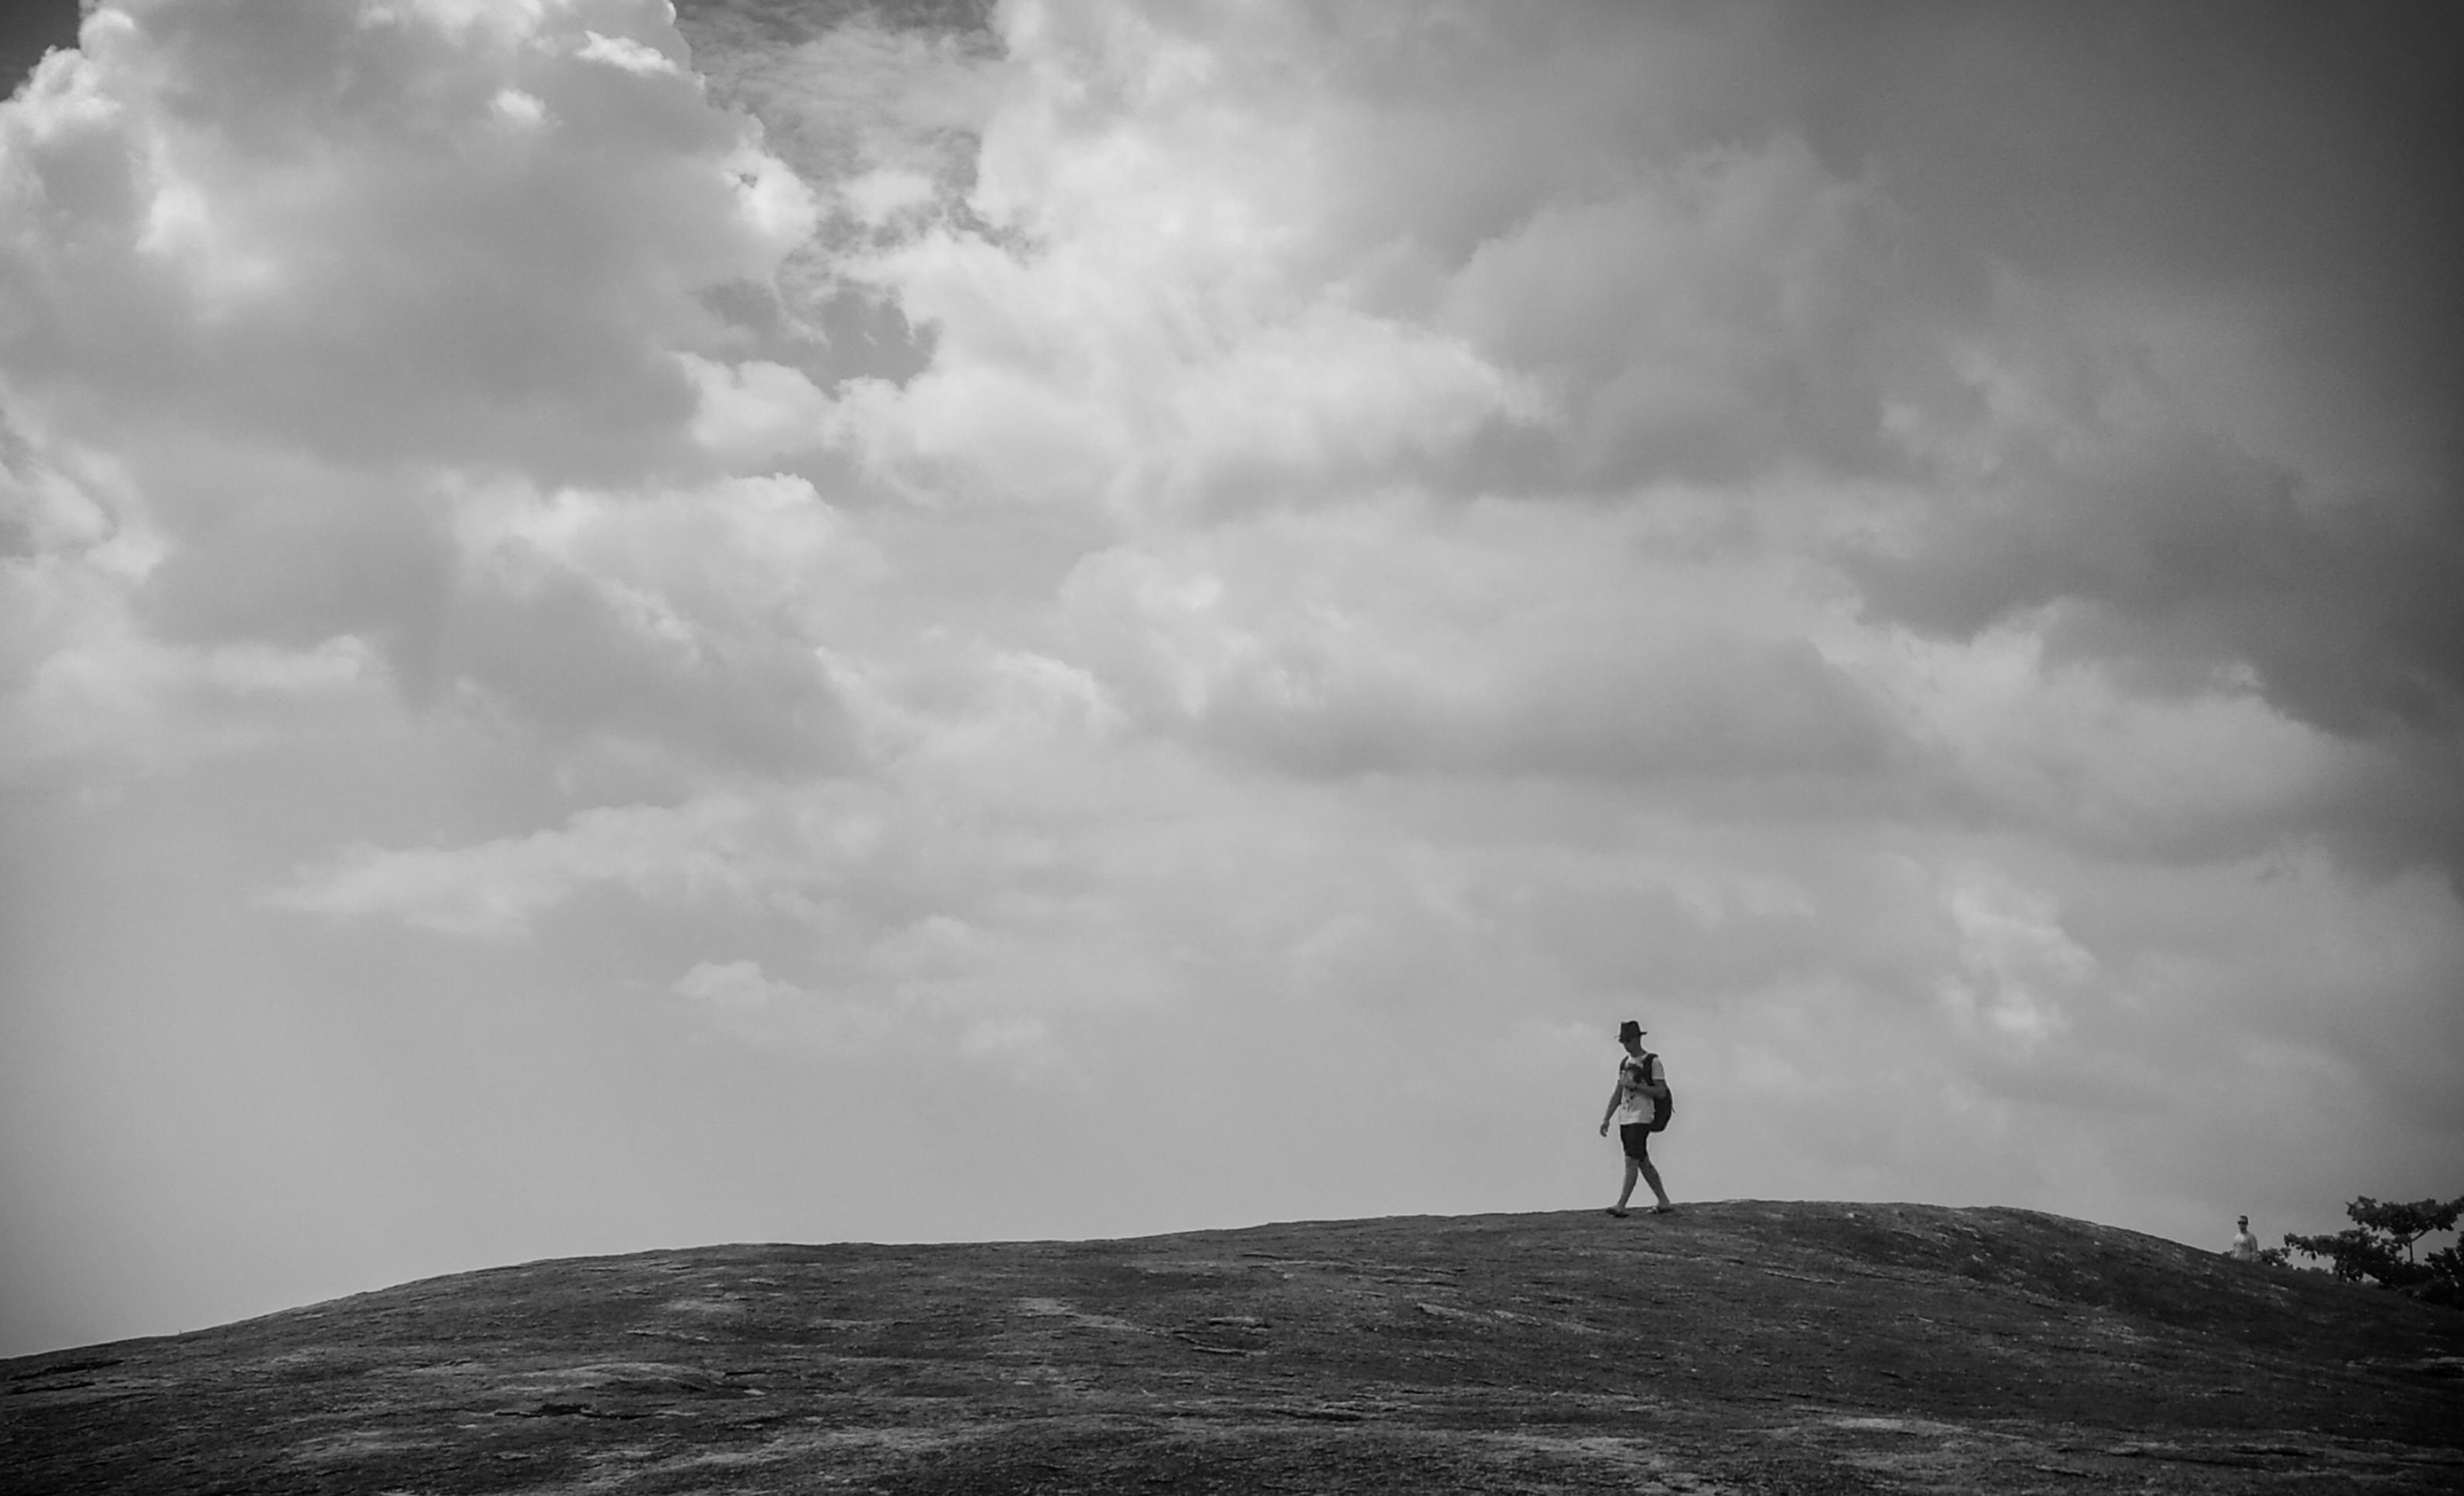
(2245, 1246)
(1642, 1091)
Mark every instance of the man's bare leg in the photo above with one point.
(1626, 1193)
(1651, 1177)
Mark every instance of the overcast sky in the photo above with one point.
(1102, 619)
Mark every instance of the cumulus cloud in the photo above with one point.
(2175, 551)
(1726, 312)
(687, 619)
(286, 280)
(705, 851)
(1694, 466)
(317, 227)
(1396, 638)
(1152, 315)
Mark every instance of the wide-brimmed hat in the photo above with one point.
(1630, 1029)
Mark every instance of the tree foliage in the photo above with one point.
(2378, 1246)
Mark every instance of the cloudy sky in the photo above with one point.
(822, 623)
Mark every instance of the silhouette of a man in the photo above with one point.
(1642, 1091)
(2245, 1246)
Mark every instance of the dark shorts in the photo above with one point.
(1637, 1139)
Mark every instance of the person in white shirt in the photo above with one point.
(1642, 1091)
(2245, 1246)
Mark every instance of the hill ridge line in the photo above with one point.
(1736, 1346)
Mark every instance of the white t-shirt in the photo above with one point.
(1634, 1103)
(2245, 1247)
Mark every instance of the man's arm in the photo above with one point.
(1655, 1081)
(1617, 1093)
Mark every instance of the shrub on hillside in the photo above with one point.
(2378, 1246)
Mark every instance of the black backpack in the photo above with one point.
(1667, 1107)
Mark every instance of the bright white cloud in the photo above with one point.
(267, 333)
(707, 850)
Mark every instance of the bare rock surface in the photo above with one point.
(1738, 1347)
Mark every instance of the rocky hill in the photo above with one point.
(1736, 1346)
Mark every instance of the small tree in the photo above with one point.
(2378, 1246)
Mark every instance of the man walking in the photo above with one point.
(2245, 1246)
(1642, 1091)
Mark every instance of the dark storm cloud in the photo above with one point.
(2185, 557)
(2285, 170)
(1828, 211)
(2298, 154)
(28, 30)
